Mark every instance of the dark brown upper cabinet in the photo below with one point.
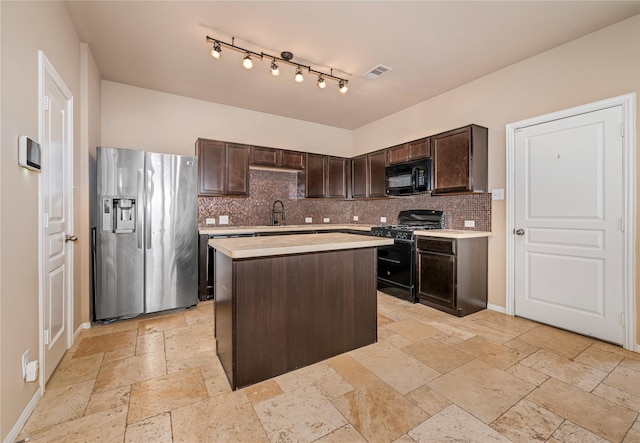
(326, 176)
(276, 158)
(223, 168)
(460, 160)
(409, 151)
(367, 175)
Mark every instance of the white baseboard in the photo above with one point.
(26, 413)
(81, 328)
(496, 308)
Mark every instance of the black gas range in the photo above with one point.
(396, 263)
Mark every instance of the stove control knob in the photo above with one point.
(389, 234)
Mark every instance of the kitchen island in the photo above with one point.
(285, 302)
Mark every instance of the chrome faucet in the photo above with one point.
(275, 212)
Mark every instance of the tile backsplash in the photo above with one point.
(268, 186)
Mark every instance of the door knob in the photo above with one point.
(519, 231)
(68, 238)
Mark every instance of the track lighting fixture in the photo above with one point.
(285, 57)
(247, 63)
(275, 70)
(216, 52)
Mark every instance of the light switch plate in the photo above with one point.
(223, 220)
(325, 220)
(355, 218)
(497, 194)
(210, 221)
(308, 220)
(383, 219)
(469, 223)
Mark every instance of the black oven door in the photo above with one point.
(395, 264)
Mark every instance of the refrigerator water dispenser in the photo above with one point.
(119, 215)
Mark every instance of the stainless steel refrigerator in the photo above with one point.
(146, 233)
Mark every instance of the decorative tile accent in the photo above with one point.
(268, 186)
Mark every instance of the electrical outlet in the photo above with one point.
(25, 361)
(223, 220)
(355, 218)
(210, 221)
(497, 194)
(469, 223)
(326, 220)
(383, 219)
(308, 220)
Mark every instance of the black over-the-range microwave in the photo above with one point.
(409, 178)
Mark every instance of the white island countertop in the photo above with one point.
(250, 247)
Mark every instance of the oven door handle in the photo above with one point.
(389, 260)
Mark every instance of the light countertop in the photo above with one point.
(234, 230)
(250, 247)
(452, 233)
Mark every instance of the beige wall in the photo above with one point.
(25, 28)
(154, 121)
(601, 65)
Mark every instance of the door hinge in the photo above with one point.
(622, 224)
(46, 337)
(45, 103)
(622, 319)
(46, 220)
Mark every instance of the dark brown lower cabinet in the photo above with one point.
(277, 314)
(452, 274)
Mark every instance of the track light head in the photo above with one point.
(275, 70)
(299, 78)
(343, 86)
(247, 63)
(216, 52)
(322, 83)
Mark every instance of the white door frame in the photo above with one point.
(628, 103)
(45, 67)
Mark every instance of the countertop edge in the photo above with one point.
(452, 233)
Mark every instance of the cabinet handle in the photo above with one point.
(519, 232)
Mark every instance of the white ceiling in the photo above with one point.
(432, 46)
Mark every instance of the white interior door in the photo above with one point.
(568, 220)
(56, 198)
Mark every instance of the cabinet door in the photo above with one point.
(377, 181)
(398, 154)
(265, 156)
(292, 159)
(337, 177)
(359, 177)
(211, 167)
(460, 160)
(420, 149)
(437, 278)
(237, 169)
(316, 172)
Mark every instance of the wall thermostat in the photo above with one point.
(29, 153)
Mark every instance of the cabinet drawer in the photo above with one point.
(437, 245)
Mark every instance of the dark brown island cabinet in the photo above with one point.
(452, 274)
(223, 168)
(278, 313)
(367, 175)
(460, 160)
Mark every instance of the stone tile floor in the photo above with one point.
(431, 377)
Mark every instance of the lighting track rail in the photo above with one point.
(285, 57)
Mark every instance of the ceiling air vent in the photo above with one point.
(376, 72)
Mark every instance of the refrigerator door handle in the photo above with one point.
(147, 209)
(140, 208)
